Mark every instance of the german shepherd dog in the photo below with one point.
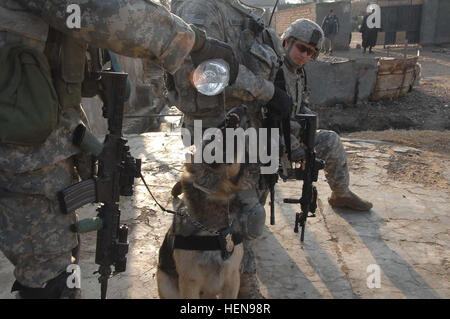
(202, 250)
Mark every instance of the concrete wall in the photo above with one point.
(429, 16)
(343, 82)
(442, 30)
(435, 15)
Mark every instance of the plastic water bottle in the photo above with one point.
(211, 77)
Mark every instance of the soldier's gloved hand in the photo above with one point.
(207, 48)
(280, 105)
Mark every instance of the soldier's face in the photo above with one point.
(301, 52)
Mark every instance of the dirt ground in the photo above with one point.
(424, 166)
(426, 107)
(421, 119)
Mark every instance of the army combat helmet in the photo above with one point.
(307, 31)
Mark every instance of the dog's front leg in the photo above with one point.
(231, 286)
(189, 289)
(232, 278)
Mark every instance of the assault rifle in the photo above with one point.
(283, 124)
(308, 172)
(114, 178)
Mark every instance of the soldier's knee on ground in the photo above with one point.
(56, 288)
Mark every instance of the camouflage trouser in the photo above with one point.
(328, 148)
(34, 234)
(253, 193)
(248, 264)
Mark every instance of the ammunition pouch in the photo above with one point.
(28, 100)
(67, 58)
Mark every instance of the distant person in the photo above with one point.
(330, 27)
(369, 35)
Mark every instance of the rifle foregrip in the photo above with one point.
(88, 225)
(78, 195)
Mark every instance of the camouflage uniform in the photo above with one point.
(225, 20)
(34, 234)
(259, 55)
(328, 144)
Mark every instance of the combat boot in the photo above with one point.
(348, 199)
(54, 289)
(249, 288)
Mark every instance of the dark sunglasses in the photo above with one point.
(304, 48)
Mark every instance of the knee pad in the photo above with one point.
(54, 289)
(253, 221)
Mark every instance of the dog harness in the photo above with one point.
(224, 241)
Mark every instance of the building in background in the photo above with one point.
(402, 21)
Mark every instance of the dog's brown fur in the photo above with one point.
(203, 274)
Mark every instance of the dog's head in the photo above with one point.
(220, 180)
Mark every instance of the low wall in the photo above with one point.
(341, 81)
(395, 77)
(334, 80)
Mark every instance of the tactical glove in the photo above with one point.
(207, 48)
(280, 105)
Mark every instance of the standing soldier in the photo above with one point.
(302, 42)
(259, 52)
(42, 62)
